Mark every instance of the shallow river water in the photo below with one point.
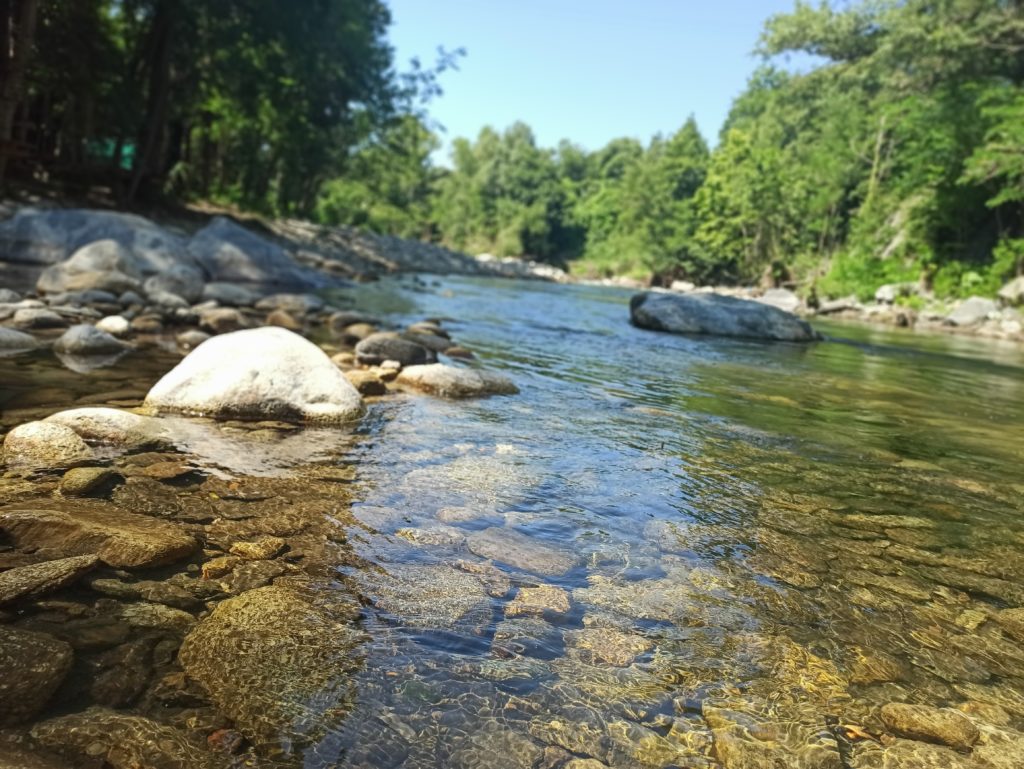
(664, 552)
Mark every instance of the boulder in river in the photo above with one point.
(518, 550)
(33, 665)
(13, 341)
(274, 663)
(120, 539)
(387, 345)
(103, 265)
(264, 373)
(44, 444)
(717, 315)
(182, 280)
(113, 427)
(941, 725)
(453, 382)
(972, 311)
(84, 339)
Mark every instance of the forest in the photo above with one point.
(895, 155)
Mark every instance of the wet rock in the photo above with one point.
(191, 339)
(366, 382)
(584, 763)
(608, 646)
(40, 578)
(526, 637)
(222, 320)
(229, 252)
(115, 325)
(430, 596)
(156, 616)
(251, 575)
(431, 341)
(230, 294)
(1012, 622)
(124, 741)
(869, 667)
(493, 745)
(38, 317)
(218, 567)
(434, 536)
(182, 280)
(453, 382)
(122, 673)
(265, 373)
(518, 550)
(112, 427)
(972, 311)
(15, 753)
(743, 742)
(151, 591)
(103, 265)
(536, 601)
(32, 666)
(275, 664)
(283, 319)
(120, 539)
(717, 315)
(385, 345)
(260, 549)
(44, 444)
(941, 725)
(12, 341)
(84, 339)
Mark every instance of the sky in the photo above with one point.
(586, 70)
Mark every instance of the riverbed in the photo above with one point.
(664, 551)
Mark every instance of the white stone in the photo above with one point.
(453, 382)
(84, 339)
(44, 444)
(115, 325)
(263, 373)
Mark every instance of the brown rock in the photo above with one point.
(919, 722)
(120, 539)
(32, 666)
(40, 578)
(218, 567)
(283, 319)
(366, 382)
(537, 601)
(83, 481)
(260, 549)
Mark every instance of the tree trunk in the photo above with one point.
(159, 89)
(19, 29)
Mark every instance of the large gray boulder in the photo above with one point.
(41, 237)
(182, 280)
(229, 252)
(103, 265)
(13, 341)
(263, 373)
(717, 315)
(972, 311)
(33, 665)
(43, 444)
(1013, 292)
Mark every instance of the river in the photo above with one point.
(665, 551)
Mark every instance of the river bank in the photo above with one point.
(663, 550)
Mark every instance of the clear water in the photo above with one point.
(746, 540)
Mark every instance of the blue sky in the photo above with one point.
(587, 70)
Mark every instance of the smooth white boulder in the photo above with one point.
(115, 325)
(111, 426)
(263, 373)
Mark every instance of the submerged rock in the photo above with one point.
(453, 382)
(265, 373)
(44, 444)
(182, 280)
(543, 599)
(608, 646)
(518, 550)
(120, 539)
(41, 578)
(33, 665)
(717, 315)
(278, 666)
(84, 339)
(124, 741)
(430, 596)
(941, 725)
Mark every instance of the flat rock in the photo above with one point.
(182, 280)
(230, 294)
(103, 265)
(112, 427)
(433, 596)
(366, 382)
(1012, 622)
(83, 481)
(265, 373)
(608, 646)
(38, 317)
(84, 339)
(941, 725)
(32, 666)
(972, 311)
(120, 539)
(274, 663)
(537, 601)
(44, 444)
(386, 345)
(518, 550)
(454, 382)
(717, 315)
(13, 341)
(41, 578)
(260, 549)
(124, 741)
